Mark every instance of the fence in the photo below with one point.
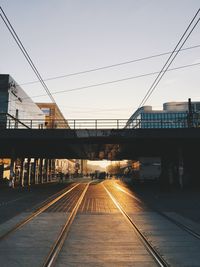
(10, 122)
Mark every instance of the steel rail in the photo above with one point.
(58, 244)
(180, 225)
(156, 256)
(36, 213)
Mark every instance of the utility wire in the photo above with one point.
(170, 60)
(108, 66)
(110, 82)
(114, 81)
(25, 53)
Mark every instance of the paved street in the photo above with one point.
(184, 202)
(17, 200)
(100, 235)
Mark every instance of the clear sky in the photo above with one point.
(67, 36)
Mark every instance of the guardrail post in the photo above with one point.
(96, 126)
(74, 124)
(31, 124)
(117, 124)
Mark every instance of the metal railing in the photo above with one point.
(9, 122)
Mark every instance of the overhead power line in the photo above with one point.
(116, 81)
(108, 66)
(171, 58)
(112, 82)
(24, 52)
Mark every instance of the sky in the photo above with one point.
(70, 36)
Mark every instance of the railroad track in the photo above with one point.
(152, 251)
(43, 207)
(180, 225)
(50, 260)
(57, 246)
(75, 196)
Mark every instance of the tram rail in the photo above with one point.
(43, 207)
(180, 225)
(57, 246)
(152, 251)
(70, 202)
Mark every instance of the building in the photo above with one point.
(173, 115)
(53, 116)
(55, 119)
(17, 110)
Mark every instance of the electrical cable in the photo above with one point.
(108, 66)
(110, 82)
(169, 60)
(25, 53)
(115, 81)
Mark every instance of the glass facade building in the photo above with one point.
(173, 115)
(16, 108)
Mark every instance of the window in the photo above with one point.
(46, 111)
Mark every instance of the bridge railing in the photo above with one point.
(10, 122)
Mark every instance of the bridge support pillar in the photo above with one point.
(46, 163)
(1, 169)
(191, 169)
(41, 171)
(36, 171)
(169, 177)
(28, 172)
(33, 177)
(179, 169)
(12, 170)
(50, 170)
(21, 175)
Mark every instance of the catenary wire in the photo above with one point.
(122, 63)
(108, 66)
(25, 53)
(169, 60)
(116, 81)
(111, 82)
(160, 78)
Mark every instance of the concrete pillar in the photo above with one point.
(41, 171)
(53, 167)
(1, 169)
(164, 176)
(169, 177)
(28, 182)
(36, 171)
(21, 175)
(45, 172)
(33, 177)
(181, 169)
(50, 170)
(12, 171)
(191, 169)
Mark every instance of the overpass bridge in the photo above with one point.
(95, 139)
(114, 144)
(176, 142)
